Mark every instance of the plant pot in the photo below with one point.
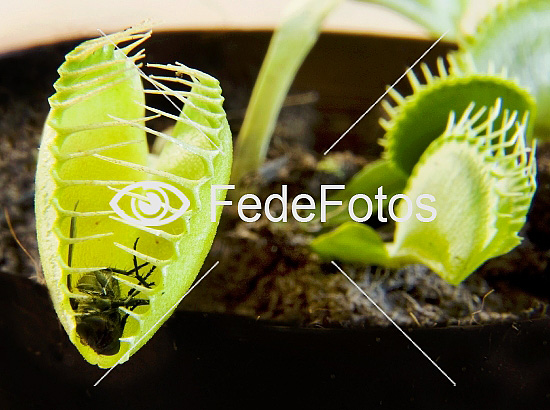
(209, 360)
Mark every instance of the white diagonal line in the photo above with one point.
(160, 320)
(393, 323)
(385, 93)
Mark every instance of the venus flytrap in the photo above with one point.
(483, 176)
(418, 119)
(511, 42)
(114, 282)
(414, 121)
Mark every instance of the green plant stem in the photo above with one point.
(289, 46)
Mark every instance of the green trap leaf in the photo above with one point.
(483, 179)
(94, 146)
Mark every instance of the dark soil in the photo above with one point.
(266, 270)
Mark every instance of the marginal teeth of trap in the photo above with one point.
(105, 124)
(131, 313)
(91, 182)
(143, 168)
(427, 73)
(87, 70)
(397, 97)
(197, 85)
(68, 102)
(208, 155)
(93, 81)
(203, 129)
(184, 96)
(153, 261)
(90, 152)
(129, 340)
(137, 34)
(131, 284)
(72, 269)
(78, 214)
(140, 38)
(413, 80)
(388, 108)
(498, 152)
(157, 232)
(442, 70)
(386, 125)
(196, 75)
(80, 239)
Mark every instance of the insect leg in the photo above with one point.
(72, 234)
(123, 321)
(143, 281)
(136, 303)
(127, 272)
(135, 259)
(137, 268)
(131, 272)
(149, 274)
